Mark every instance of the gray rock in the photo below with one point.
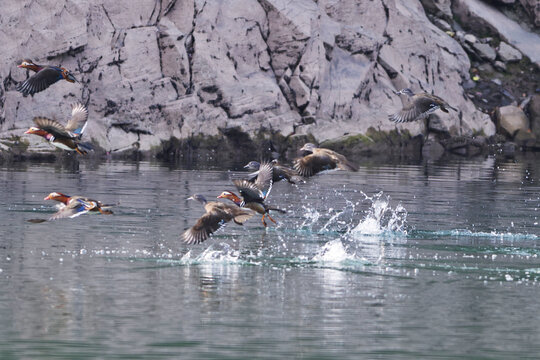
(485, 51)
(496, 81)
(470, 38)
(482, 18)
(438, 6)
(507, 53)
(499, 65)
(525, 138)
(510, 119)
(441, 24)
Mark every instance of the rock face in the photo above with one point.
(155, 69)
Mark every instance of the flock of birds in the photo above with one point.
(253, 189)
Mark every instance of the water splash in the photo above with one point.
(381, 218)
(483, 234)
(221, 253)
(333, 251)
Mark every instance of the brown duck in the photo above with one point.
(420, 106)
(320, 159)
(216, 215)
(254, 194)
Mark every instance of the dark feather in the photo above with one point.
(40, 81)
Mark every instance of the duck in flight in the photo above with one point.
(73, 206)
(419, 107)
(45, 76)
(279, 171)
(64, 137)
(216, 215)
(320, 159)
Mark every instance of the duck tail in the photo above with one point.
(273, 208)
(84, 148)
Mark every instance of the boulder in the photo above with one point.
(507, 53)
(484, 51)
(511, 119)
(533, 8)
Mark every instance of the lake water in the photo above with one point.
(431, 260)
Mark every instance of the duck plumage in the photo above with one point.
(45, 76)
(419, 107)
(320, 159)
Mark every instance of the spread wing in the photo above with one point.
(239, 215)
(264, 179)
(418, 109)
(39, 81)
(52, 127)
(78, 121)
(250, 192)
(205, 225)
(313, 163)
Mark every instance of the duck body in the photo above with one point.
(421, 105)
(45, 76)
(215, 216)
(321, 159)
(254, 194)
(73, 206)
(64, 137)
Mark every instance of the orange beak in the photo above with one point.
(220, 196)
(29, 131)
(48, 197)
(20, 66)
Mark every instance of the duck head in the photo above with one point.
(231, 196)
(57, 196)
(252, 165)
(309, 147)
(68, 76)
(37, 131)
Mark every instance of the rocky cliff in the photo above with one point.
(152, 70)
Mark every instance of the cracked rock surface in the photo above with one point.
(155, 69)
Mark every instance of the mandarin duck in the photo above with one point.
(320, 159)
(73, 206)
(45, 76)
(216, 215)
(64, 137)
(253, 195)
(420, 106)
(279, 171)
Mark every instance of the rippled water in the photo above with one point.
(408, 261)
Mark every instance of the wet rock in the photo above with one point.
(511, 119)
(534, 114)
(525, 138)
(483, 18)
(485, 51)
(496, 81)
(507, 53)
(432, 150)
(442, 7)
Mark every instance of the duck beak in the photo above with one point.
(29, 131)
(190, 198)
(220, 196)
(246, 166)
(72, 78)
(397, 92)
(20, 66)
(47, 198)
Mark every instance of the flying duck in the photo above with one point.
(320, 159)
(279, 171)
(64, 137)
(420, 106)
(73, 206)
(216, 215)
(45, 76)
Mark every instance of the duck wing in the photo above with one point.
(78, 121)
(207, 224)
(264, 179)
(311, 164)
(249, 191)
(39, 81)
(421, 106)
(52, 127)
(76, 207)
(340, 160)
